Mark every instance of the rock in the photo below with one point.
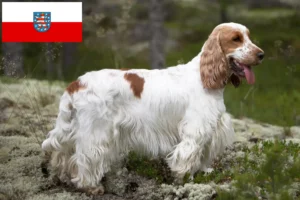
(294, 140)
(188, 191)
(295, 132)
(248, 129)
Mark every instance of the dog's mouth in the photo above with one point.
(242, 70)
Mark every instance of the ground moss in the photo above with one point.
(266, 169)
(155, 169)
(270, 178)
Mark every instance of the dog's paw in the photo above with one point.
(46, 146)
(99, 190)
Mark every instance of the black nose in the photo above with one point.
(260, 55)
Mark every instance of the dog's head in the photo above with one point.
(228, 55)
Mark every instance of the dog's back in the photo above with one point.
(156, 112)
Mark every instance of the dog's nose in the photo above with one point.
(260, 55)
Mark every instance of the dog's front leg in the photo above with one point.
(189, 154)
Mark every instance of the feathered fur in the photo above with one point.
(177, 113)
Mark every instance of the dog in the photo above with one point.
(177, 113)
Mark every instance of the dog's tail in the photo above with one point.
(64, 128)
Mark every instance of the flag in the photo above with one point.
(41, 21)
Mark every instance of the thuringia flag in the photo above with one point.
(41, 22)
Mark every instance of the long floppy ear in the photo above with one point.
(213, 65)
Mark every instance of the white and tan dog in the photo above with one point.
(177, 112)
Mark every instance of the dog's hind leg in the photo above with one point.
(60, 141)
(94, 151)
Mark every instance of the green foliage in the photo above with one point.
(270, 178)
(266, 170)
(216, 176)
(155, 169)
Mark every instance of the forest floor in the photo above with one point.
(264, 162)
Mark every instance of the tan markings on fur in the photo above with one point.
(226, 36)
(75, 86)
(228, 46)
(136, 83)
(214, 68)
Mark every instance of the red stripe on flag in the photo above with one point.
(58, 32)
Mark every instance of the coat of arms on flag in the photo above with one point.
(41, 21)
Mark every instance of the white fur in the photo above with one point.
(175, 117)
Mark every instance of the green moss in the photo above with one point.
(215, 176)
(253, 166)
(155, 169)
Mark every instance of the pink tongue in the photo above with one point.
(249, 75)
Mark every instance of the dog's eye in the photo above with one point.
(236, 39)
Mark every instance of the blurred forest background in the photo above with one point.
(160, 33)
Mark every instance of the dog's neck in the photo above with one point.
(193, 65)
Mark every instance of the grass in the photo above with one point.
(8, 80)
(271, 178)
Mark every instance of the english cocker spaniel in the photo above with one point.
(177, 113)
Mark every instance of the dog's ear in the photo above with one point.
(213, 64)
(235, 80)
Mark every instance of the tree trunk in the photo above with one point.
(49, 66)
(68, 58)
(223, 11)
(13, 59)
(158, 36)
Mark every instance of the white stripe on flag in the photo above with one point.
(60, 11)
